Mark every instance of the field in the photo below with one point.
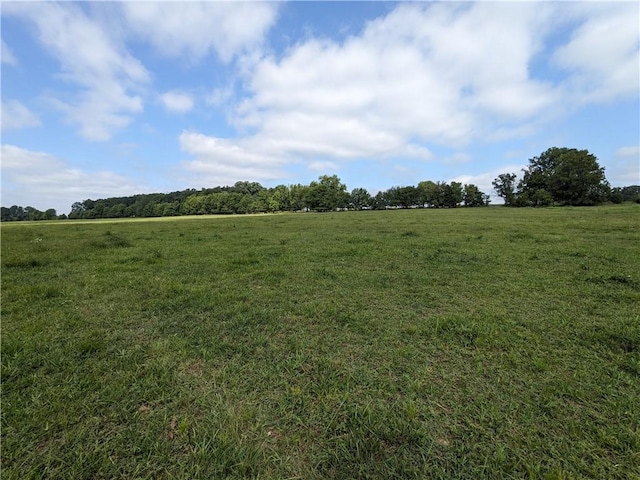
(462, 343)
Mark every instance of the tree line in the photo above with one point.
(562, 176)
(328, 193)
(558, 176)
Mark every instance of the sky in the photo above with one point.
(104, 99)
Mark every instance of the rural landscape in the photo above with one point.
(320, 240)
(429, 343)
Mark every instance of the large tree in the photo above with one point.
(327, 194)
(569, 177)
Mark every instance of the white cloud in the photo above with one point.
(178, 102)
(219, 96)
(220, 162)
(91, 59)
(7, 55)
(603, 53)
(45, 181)
(632, 151)
(322, 167)
(405, 80)
(425, 73)
(624, 168)
(15, 115)
(437, 73)
(197, 28)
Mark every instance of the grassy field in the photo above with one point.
(465, 343)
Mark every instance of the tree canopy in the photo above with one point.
(560, 176)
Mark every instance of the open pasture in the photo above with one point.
(454, 343)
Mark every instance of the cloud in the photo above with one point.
(15, 115)
(220, 162)
(603, 53)
(633, 151)
(7, 55)
(219, 96)
(91, 59)
(178, 102)
(424, 74)
(322, 167)
(198, 28)
(624, 168)
(444, 74)
(45, 181)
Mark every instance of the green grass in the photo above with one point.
(465, 343)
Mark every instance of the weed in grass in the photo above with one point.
(110, 240)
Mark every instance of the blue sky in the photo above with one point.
(110, 99)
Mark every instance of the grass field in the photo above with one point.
(464, 343)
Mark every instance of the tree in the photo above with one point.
(505, 187)
(77, 210)
(298, 196)
(50, 214)
(570, 176)
(406, 197)
(380, 201)
(327, 194)
(473, 197)
(451, 194)
(429, 193)
(359, 198)
(280, 199)
(625, 194)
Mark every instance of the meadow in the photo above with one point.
(442, 344)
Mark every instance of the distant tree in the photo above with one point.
(505, 187)
(247, 188)
(14, 213)
(568, 175)
(625, 194)
(77, 210)
(406, 197)
(298, 194)
(429, 193)
(50, 214)
(327, 194)
(452, 194)
(473, 197)
(33, 213)
(380, 201)
(359, 198)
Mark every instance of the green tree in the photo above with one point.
(78, 210)
(570, 176)
(280, 200)
(473, 197)
(406, 197)
(298, 197)
(429, 193)
(451, 194)
(50, 214)
(359, 198)
(327, 194)
(505, 187)
(380, 201)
